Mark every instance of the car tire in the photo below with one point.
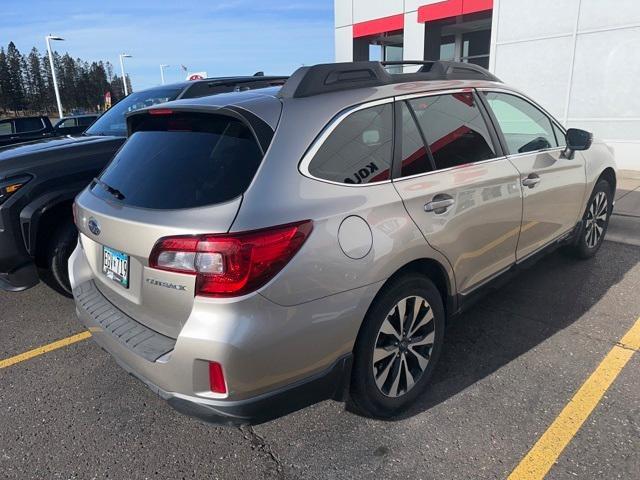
(389, 370)
(594, 222)
(59, 250)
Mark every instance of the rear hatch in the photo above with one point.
(180, 173)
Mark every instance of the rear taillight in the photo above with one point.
(233, 264)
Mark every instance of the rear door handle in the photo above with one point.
(439, 204)
(531, 181)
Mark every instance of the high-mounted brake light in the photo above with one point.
(160, 111)
(233, 264)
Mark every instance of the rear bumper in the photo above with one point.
(275, 359)
(113, 330)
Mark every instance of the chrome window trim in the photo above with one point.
(449, 169)
(303, 166)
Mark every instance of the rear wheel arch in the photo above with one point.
(434, 271)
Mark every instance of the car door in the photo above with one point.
(456, 184)
(552, 185)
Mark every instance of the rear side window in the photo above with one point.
(525, 128)
(359, 149)
(182, 161)
(454, 128)
(24, 125)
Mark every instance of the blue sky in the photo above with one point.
(223, 37)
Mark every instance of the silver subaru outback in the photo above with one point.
(248, 254)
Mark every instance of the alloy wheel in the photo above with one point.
(403, 346)
(596, 219)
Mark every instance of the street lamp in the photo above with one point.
(124, 77)
(48, 38)
(162, 67)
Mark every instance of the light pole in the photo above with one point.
(124, 76)
(162, 67)
(48, 38)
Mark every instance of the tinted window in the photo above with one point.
(24, 125)
(454, 128)
(183, 161)
(525, 127)
(415, 158)
(359, 150)
(113, 121)
(5, 128)
(85, 121)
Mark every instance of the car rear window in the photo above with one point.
(181, 161)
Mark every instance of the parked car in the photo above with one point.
(24, 129)
(39, 180)
(248, 254)
(74, 125)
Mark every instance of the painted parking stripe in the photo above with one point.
(537, 463)
(44, 349)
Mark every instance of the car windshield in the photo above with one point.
(113, 121)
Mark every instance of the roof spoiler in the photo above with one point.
(333, 77)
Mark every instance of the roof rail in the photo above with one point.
(333, 77)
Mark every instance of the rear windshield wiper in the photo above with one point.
(113, 191)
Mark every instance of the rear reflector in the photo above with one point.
(233, 264)
(216, 378)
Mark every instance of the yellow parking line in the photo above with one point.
(548, 448)
(44, 349)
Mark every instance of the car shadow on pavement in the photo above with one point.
(548, 297)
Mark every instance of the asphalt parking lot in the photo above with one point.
(508, 370)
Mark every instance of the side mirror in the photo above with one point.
(578, 139)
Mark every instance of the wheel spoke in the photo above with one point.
(382, 353)
(382, 377)
(602, 202)
(422, 360)
(393, 391)
(388, 329)
(427, 316)
(426, 340)
(402, 312)
(407, 374)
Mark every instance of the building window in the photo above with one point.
(465, 38)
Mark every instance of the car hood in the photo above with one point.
(27, 156)
(27, 148)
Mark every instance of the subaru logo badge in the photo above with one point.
(94, 226)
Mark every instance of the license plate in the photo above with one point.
(115, 265)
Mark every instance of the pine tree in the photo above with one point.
(4, 80)
(15, 88)
(38, 99)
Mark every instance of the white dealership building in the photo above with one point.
(577, 58)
